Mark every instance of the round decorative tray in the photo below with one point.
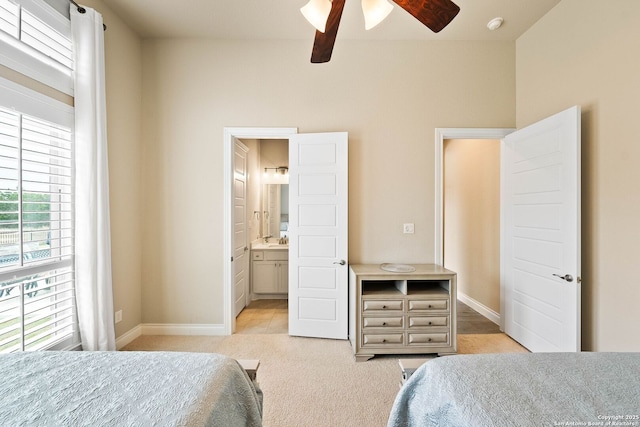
(398, 268)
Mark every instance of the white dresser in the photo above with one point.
(401, 313)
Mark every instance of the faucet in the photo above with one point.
(266, 238)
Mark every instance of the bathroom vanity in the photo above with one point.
(412, 312)
(269, 269)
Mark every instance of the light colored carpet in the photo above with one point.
(316, 382)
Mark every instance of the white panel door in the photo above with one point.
(541, 233)
(318, 221)
(240, 248)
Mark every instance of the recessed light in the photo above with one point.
(495, 23)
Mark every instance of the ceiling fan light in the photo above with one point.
(375, 11)
(317, 13)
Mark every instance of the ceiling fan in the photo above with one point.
(325, 16)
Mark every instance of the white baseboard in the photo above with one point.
(480, 308)
(129, 336)
(168, 329)
(182, 329)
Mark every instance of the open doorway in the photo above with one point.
(472, 229)
(231, 136)
(319, 307)
(468, 215)
(265, 306)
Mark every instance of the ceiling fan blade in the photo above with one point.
(323, 43)
(435, 14)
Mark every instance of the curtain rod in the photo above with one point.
(83, 10)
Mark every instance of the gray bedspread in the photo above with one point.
(125, 389)
(524, 389)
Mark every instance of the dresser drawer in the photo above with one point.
(421, 339)
(415, 305)
(428, 321)
(382, 339)
(382, 322)
(379, 305)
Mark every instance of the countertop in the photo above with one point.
(258, 246)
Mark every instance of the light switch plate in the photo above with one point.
(408, 229)
(118, 316)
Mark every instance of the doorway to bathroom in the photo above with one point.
(261, 301)
(318, 230)
(243, 190)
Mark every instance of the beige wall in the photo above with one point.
(389, 96)
(586, 53)
(123, 58)
(274, 153)
(472, 217)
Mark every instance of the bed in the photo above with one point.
(523, 389)
(74, 388)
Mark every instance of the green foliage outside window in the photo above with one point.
(35, 210)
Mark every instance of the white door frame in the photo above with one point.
(440, 136)
(228, 164)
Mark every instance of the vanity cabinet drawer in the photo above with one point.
(276, 255)
(382, 322)
(380, 305)
(428, 321)
(421, 339)
(382, 339)
(257, 255)
(415, 305)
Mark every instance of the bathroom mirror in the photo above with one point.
(275, 210)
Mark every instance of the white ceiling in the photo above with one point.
(281, 19)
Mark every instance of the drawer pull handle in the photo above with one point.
(384, 323)
(429, 323)
(430, 306)
(384, 340)
(384, 306)
(429, 339)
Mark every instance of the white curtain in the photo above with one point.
(94, 292)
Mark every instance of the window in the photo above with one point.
(37, 294)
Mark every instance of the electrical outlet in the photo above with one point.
(408, 229)
(118, 316)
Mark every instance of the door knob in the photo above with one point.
(567, 277)
(342, 262)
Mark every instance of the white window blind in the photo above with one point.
(45, 39)
(37, 301)
(10, 18)
(36, 41)
(37, 311)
